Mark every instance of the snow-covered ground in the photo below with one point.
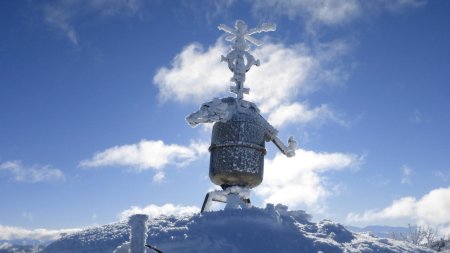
(380, 231)
(273, 229)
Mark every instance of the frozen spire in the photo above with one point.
(239, 60)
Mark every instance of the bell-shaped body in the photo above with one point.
(238, 148)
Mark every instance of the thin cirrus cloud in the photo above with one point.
(330, 12)
(399, 5)
(285, 73)
(407, 172)
(300, 180)
(147, 154)
(16, 171)
(63, 14)
(432, 208)
(159, 177)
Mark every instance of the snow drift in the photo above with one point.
(273, 229)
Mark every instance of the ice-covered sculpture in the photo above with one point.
(239, 131)
(138, 236)
(218, 110)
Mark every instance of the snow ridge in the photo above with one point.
(272, 229)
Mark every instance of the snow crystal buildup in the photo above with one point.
(272, 229)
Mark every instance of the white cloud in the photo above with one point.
(33, 174)
(159, 177)
(197, 75)
(284, 73)
(17, 233)
(299, 179)
(147, 154)
(432, 208)
(399, 208)
(63, 14)
(155, 211)
(406, 174)
(300, 113)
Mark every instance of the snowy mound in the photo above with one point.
(273, 229)
(100, 239)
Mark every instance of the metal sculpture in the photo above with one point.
(239, 132)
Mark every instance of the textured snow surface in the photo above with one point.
(100, 239)
(273, 229)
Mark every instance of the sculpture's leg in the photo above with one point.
(234, 197)
(233, 201)
(219, 196)
(245, 203)
(206, 203)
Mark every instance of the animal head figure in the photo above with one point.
(209, 112)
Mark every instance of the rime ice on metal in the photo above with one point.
(239, 132)
(239, 60)
(138, 235)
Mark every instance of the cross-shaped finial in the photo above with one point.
(239, 60)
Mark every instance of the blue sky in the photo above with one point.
(93, 96)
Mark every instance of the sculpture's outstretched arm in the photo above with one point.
(289, 151)
(227, 29)
(266, 27)
(271, 135)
